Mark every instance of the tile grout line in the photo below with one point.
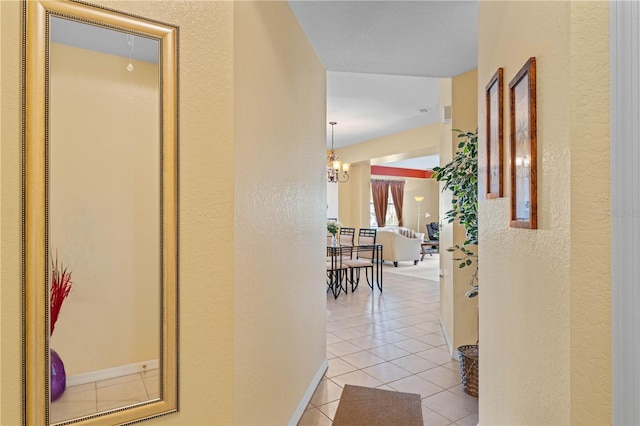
(411, 316)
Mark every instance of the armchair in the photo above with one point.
(396, 247)
(432, 245)
(433, 230)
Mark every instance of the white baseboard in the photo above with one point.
(452, 353)
(306, 398)
(110, 373)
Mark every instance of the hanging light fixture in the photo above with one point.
(337, 171)
(130, 42)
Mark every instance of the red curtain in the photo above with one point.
(380, 193)
(397, 194)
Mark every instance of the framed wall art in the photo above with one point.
(494, 100)
(522, 104)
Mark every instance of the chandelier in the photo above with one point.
(337, 171)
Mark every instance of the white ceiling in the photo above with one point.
(368, 106)
(383, 61)
(106, 40)
(419, 38)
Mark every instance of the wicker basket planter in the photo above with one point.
(468, 355)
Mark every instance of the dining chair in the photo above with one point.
(364, 258)
(336, 269)
(346, 239)
(347, 236)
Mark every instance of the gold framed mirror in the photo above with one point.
(100, 215)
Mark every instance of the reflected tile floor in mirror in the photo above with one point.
(393, 341)
(90, 398)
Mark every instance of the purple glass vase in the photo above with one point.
(58, 376)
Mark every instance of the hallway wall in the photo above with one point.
(353, 197)
(545, 333)
(458, 313)
(10, 253)
(243, 307)
(280, 214)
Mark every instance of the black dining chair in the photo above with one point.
(346, 239)
(365, 256)
(337, 269)
(347, 236)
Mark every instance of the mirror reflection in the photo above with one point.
(103, 218)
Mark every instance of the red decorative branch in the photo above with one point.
(60, 288)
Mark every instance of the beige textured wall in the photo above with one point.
(247, 319)
(10, 302)
(446, 231)
(411, 143)
(245, 240)
(354, 195)
(111, 317)
(233, 214)
(427, 188)
(206, 205)
(590, 201)
(458, 313)
(546, 293)
(280, 223)
(1, 68)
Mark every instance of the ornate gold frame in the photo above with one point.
(36, 15)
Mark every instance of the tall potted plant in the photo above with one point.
(460, 176)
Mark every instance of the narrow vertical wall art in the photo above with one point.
(523, 167)
(495, 158)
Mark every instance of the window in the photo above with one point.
(392, 217)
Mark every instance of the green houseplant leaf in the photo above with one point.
(460, 176)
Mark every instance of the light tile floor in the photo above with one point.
(392, 341)
(91, 398)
